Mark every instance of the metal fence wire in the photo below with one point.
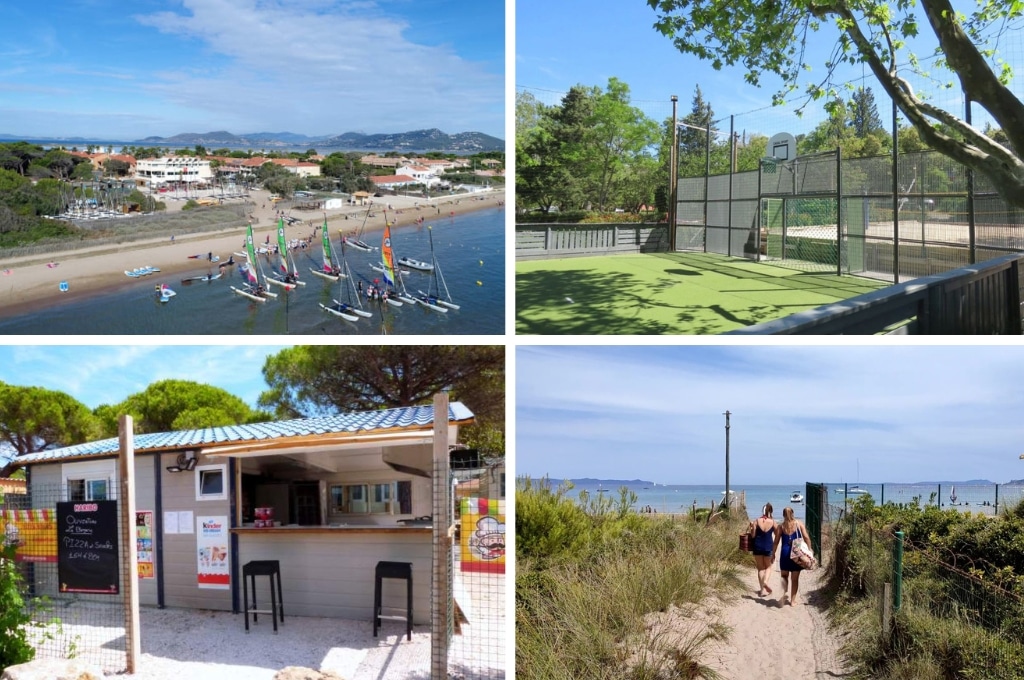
(934, 603)
(89, 627)
(478, 633)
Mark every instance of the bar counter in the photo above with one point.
(341, 528)
(329, 570)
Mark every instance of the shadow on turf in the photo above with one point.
(546, 290)
(587, 313)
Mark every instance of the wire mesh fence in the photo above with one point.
(478, 633)
(71, 617)
(935, 605)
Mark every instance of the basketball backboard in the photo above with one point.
(782, 147)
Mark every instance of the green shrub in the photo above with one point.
(14, 618)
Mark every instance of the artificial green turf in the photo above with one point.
(691, 293)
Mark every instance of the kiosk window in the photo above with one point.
(87, 490)
(211, 483)
(374, 499)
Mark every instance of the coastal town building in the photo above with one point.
(376, 161)
(423, 174)
(393, 181)
(169, 169)
(296, 167)
(99, 160)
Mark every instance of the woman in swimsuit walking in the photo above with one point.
(762, 530)
(789, 530)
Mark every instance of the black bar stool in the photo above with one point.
(251, 570)
(397, 570)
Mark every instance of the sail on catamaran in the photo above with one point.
(328, 269)
(393, 283)
(287, 276)
(255, 287)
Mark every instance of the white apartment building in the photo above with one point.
(158, 171)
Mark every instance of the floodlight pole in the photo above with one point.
(727, 506)
(673, 178)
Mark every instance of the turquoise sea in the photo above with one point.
(680, 498)
(470, 249)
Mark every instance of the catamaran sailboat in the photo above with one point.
(256, 287)
(287, 276)
(434, 294)
(352, 308)
(329, 270)
(358, 242)
(395, 284)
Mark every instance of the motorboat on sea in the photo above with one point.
(796, 497)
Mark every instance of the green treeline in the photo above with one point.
(962, 613)
(592, 576)
(594, 152)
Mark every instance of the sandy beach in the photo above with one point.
(30, 283)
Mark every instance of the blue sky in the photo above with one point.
(571, 42)
(107, 374)
(799, 413)
(123, 71)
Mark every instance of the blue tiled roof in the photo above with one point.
(362, 422)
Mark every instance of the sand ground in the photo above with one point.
(766, 639)
(774, 641)
(33, 282)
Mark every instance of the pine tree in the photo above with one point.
(864, 113)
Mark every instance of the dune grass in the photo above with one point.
(962, 621)
(666, 293)
(589, 576)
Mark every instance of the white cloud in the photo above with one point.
(307, 69)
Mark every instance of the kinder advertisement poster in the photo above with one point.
(212, 552)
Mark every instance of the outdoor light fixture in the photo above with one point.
(186, 462)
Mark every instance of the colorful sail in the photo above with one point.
(328, 257)
(250, 251)
(282, 248)
(387, 258)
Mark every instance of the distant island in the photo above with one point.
(617, 482)
(969, 482)
(467, 143)
(1019, 482)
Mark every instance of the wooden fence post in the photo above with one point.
(130, 562)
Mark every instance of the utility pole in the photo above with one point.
(727, 506)
(673, 178)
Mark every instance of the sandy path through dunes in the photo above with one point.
(772, 641)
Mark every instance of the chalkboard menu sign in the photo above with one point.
(87, 560)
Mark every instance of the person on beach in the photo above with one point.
(762, 531)
(789, 530)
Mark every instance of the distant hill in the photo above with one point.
(611, 482)
(969, 482)
(414, 141)
(1016, 482)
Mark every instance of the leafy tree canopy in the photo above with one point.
(170, 405)
(771, 37)
(35, 419)
(310, 380)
